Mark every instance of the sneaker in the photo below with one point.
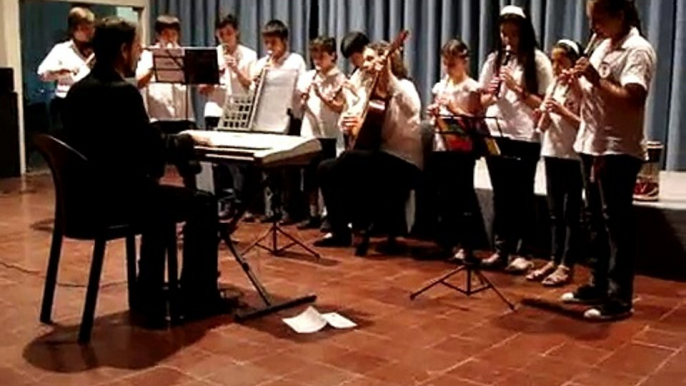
(326, 226)
(332, 240)
(519, 266)
(608, 312)
(495, 262)
(311, 223)
(586, 294)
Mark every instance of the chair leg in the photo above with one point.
(173, 276)
(131, 268)
(92, 291)
(51, 276)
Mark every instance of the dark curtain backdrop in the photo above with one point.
(431, 22)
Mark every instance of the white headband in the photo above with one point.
(571, 44)
(513, 10)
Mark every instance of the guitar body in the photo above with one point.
(368, 136)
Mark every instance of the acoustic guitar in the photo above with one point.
(368, 135)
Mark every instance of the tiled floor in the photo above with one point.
(441, 338)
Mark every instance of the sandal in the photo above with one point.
(542, 272)
(561, 276)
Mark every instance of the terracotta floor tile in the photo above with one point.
(241, 375)
(556, 368)
(321, 375)
(159, 376)
(662, 379)
(601, 377)
(671, 340)
(461, 346)
(447, 380)
(579, 354)
(12, 377)
(481, 371)
(528, 379)
(636, 359)
(401, 374)
(282, 363)
(358, 361)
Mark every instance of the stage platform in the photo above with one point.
(660, 226)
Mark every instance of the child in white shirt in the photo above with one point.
(70, 61)
(559, 122)
(164, 101)
(615, 83)
(452, 172)
(322, 105)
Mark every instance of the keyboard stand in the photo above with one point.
(270, 306)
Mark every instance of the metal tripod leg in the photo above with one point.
(470, 269)
(270, 306)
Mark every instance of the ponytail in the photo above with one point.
(627, 7)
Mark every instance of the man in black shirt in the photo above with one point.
(105, 120)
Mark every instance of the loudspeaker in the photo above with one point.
(6, 80)
(9, 135)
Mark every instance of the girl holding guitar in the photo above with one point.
(364, 179)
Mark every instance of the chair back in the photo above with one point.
(75, 213)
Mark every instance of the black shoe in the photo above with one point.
(200, 307)
(586, 294)
(248, 217)
(609, 311)
(149, 313)
(311, 223)
(496, 262)
(333, 240)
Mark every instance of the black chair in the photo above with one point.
(77, 217)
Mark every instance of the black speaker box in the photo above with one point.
(9, 135)
(6, 80)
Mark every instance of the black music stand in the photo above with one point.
(475, 128)
(186, 66)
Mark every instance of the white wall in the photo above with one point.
(10, 47)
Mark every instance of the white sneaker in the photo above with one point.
(519, 266)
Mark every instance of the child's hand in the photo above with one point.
(351, 123)
(508, 78)
(553, 106)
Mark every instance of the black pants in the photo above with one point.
(56, 126)
(451, 177)
(609, 206)
(564, 185)
(157, 210)
(362, 187)
(512, 176)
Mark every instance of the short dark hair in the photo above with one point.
(616, 7)
(353, 43)
(78, 16)
(323, 44)
(228, 20)
(455, 48)
(111, 33)
(164, 22)
(275, 28)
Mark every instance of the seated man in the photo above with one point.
(360, 181)
(105, 120)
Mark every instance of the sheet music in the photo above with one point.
(276, 97)
(168, 64)
(311, 320)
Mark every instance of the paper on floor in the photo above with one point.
(312, 320)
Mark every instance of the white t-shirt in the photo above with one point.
(559, 136)
(289, 61)
(515, 117)
(607, 128)
(229, 83)
(458, 94)
(319, 121)
(64, 55)
(401, 134)
(164, 101)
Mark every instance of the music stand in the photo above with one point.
(185, 66)
(473, 130)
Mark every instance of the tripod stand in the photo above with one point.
(273, 232)
(471, 269)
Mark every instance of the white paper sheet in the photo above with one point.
(337, 320)
(311, 321)
(307, 322)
